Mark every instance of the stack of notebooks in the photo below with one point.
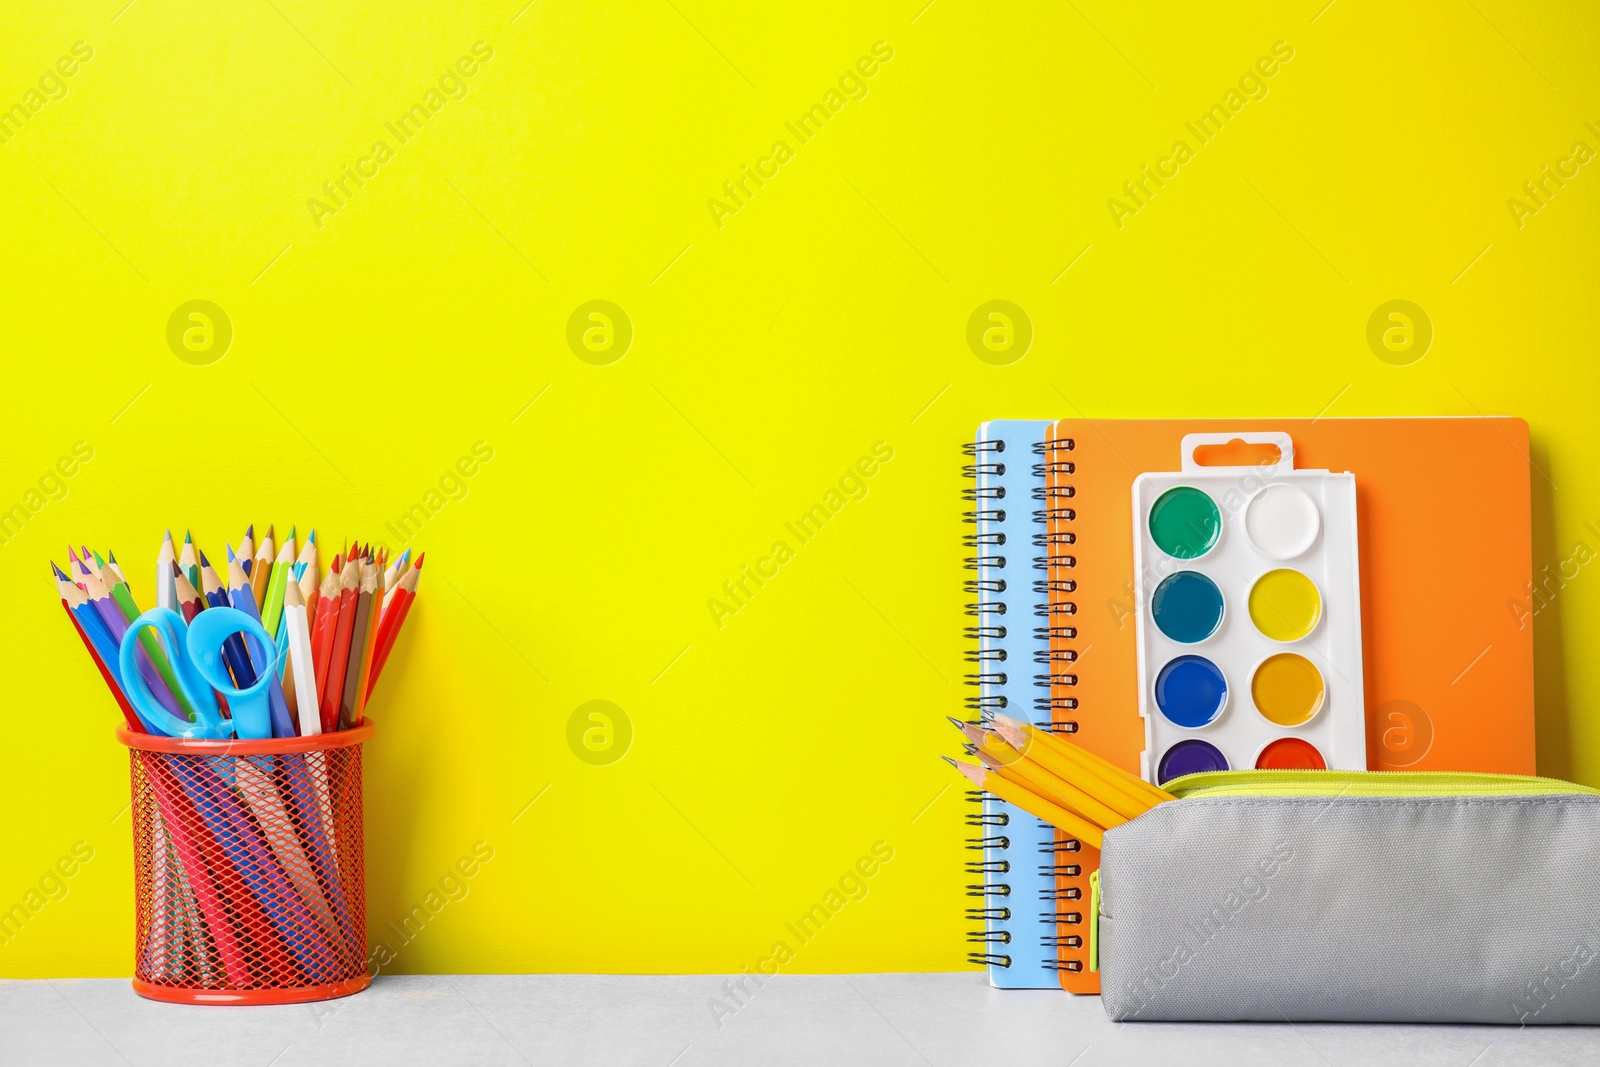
(1442, 673)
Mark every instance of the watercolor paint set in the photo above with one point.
(1249, 621)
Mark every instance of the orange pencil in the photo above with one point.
(394, 617)
(261, 573)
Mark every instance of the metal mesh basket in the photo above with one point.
(248, 868)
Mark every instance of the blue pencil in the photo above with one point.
(242, 599)
(233, 650)
(105, 647)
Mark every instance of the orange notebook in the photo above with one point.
(1445, 548)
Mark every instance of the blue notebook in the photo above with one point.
(1015, 903)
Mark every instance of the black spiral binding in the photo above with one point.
(988, 610)
(1057, 554)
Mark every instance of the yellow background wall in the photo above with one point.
(769, 354)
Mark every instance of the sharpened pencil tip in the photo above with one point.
(59, 572)
(230, 554)
(270, 536)
(291, 532)
(959, 724)
(112, 556)
(420, 558)
(203, 561)
(188, 538)
(312, 536)
(167, 536)
(950, 761)
(250, 531)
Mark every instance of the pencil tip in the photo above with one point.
(950, 761)
(420, 558)
(959, 724)
(59, 573)
(230, 554)
(188, 538)
(203, 561)
(312, 536)
(292, 529)
(112, 556)
(167, 536)
(270, 536)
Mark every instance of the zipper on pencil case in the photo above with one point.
(1292, 783)
(1094, 919)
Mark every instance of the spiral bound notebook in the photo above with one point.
(1017, 910)
(1447, 638)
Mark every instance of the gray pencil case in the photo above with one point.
(1356, 897)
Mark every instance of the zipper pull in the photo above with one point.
(1094, 920)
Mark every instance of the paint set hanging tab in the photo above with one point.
(1249, 623)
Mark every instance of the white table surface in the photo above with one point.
(668, 1022)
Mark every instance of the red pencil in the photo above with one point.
(333, 685)
(322, 631)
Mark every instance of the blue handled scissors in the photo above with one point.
(195, 651)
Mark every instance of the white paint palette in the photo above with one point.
(1249, 614)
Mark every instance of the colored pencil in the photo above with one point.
(233, 650)
(394, 617)
(97, 639)
(189, 601)
(1012, 765)
(254, 776)
(360, 649)
(1043, 745)
(323, 628)
(282, 575)
(1032, 803)
(351, 621)
(369, 644)
(308, 551)
(307, 581)
(333, 685)
(117, 624)
(152, 647)
(260, 658)
(166, 560)
(187, 560)
(392, 577)
(261, 574)
(247, 550)
(193, 843)
(300, 680)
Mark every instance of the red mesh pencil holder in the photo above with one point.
(248, 868)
